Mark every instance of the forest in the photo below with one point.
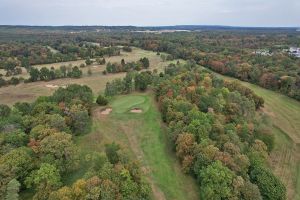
(233, 53)
(37, 150)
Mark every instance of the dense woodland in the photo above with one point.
(215, 130)
(37, 150)
(217, 136)
(233, 54)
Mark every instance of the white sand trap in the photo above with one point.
(106, 111)
(136, 110)
(54, 86)
(51, 86)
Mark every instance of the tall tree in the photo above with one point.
(12, 191)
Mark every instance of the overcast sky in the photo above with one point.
(151, 12)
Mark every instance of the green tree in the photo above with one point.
(79, 119)
(44, 74)
(123, 62)
(34, 74)
(75, 73)
(111, 151)
(63, 70)
(128, 83)
(4, 110)
(25, 62)
(101, 100)
(12, 191)
(88, 61)
(269, 185)
(250, 191)
(72, 93)
(44, 180)
(216, 182)
(142, 80)
(145, 62)
(59, 149)
(15, 164)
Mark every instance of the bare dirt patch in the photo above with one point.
(136, 110)
(106, 111)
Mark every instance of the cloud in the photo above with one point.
(151, 12)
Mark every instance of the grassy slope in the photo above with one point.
(144, 135)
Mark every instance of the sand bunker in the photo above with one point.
(106, 111)
(54, 86)
(136, 110)
(51, 86)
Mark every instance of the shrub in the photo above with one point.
(269, 185)
(127, 49)
(101, 100)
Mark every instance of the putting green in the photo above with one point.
(123, 104)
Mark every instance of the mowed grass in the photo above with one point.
(144, 135)
(28, 92)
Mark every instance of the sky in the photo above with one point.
(151, 12)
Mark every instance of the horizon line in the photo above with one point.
(149, 26)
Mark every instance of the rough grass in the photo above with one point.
(30, 91)
(144, 135)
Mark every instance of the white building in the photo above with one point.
(295, 51)
(263, 52)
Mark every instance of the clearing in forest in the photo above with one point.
(143, 134)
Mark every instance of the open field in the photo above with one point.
(97, 81)
(144, 136)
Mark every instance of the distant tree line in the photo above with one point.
(133, 81)
(232, 54)
(15, 55)
(44, 74)
(143, 63)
